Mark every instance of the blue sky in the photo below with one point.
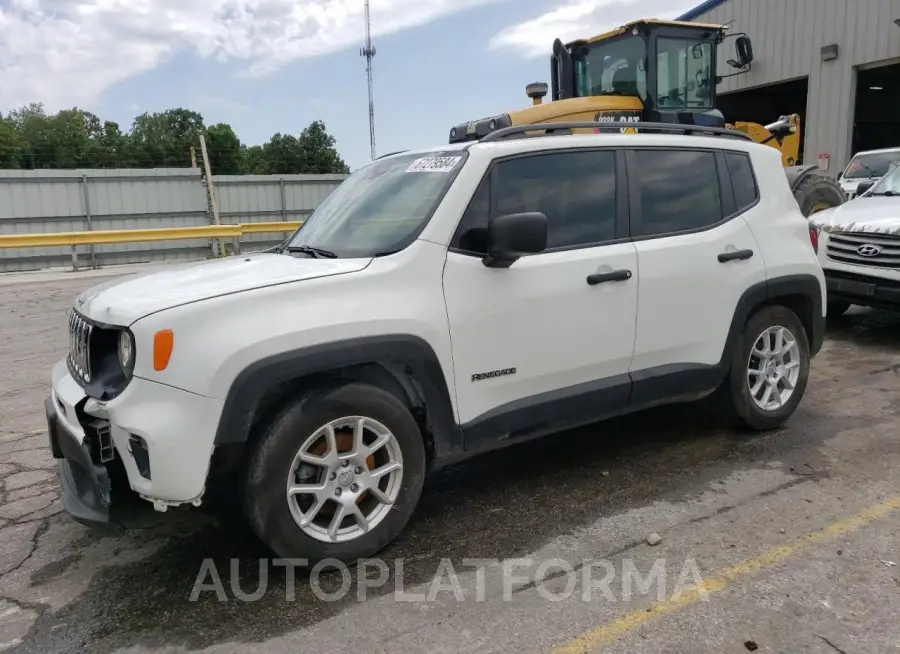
(267, 66)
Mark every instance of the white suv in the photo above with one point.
(859, 248)
(440, 303)
(866, 168)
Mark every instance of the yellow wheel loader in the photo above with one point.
(655, 71)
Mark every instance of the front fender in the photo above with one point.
(413, 353)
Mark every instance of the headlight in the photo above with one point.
(126, 352)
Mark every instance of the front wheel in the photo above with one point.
(336, 475)
(769, 371)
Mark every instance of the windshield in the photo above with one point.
(683, 72)
(889, 184)
(867, 166)
(613, 67)
(381, 208)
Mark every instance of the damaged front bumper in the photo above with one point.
(153, 440)
(85, 485)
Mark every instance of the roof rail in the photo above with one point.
(390, 154)
(558, 129)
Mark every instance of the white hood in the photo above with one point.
(122, 301)
(865, 214)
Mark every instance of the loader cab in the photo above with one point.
(645, 71)
(669, 65)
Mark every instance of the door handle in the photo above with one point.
(741, 255)
(614, 276)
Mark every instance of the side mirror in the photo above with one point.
(863, 187)
(515, 235)
(743, 50)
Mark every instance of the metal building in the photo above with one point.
(834, 62)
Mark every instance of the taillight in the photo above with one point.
(814, 238)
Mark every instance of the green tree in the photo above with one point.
(318, 146)
(12, 146)
(224, 148)
(74, 138)
(313, 152)
(254, 158)
(164, 140)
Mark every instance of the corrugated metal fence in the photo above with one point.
(43, 201)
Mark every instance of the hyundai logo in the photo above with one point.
(869, 250)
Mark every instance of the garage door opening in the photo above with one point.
(765, 104)
(877, 118)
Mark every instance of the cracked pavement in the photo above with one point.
(716, 498)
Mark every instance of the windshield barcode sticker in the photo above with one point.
(433, 165)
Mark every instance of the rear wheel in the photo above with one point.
(336, 475)
(769, 370)
(816, 193)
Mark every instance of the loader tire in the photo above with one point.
(817, 192)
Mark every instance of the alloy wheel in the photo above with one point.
(345, 479)
(773, 369)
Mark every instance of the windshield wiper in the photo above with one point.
(315, 253)
(871, 172)
(889, 194)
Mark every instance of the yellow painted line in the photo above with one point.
(608, 632)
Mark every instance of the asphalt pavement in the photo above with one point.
(782, 542)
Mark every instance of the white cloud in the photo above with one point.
(582, 19)
(65, 52)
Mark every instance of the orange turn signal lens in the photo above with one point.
(163, 342)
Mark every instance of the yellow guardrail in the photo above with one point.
(266, 228)
(101, 237)
(106, 236)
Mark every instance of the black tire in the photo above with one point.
(818, 192)
(837, 308)
(735, 396)
(264, 500)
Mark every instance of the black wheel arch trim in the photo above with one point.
(414, 354)
(806, 285)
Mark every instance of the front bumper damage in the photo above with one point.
(152, 442)
(85, 484)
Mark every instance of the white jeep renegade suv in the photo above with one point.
(437, 304)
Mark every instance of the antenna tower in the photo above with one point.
(369, 53)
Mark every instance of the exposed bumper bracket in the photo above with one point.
(85, 485)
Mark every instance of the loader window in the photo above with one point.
(683, 73)
(613, 67)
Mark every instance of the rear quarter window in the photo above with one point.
(743, 182)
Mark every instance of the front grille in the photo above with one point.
(865, 249)
(80, 347)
